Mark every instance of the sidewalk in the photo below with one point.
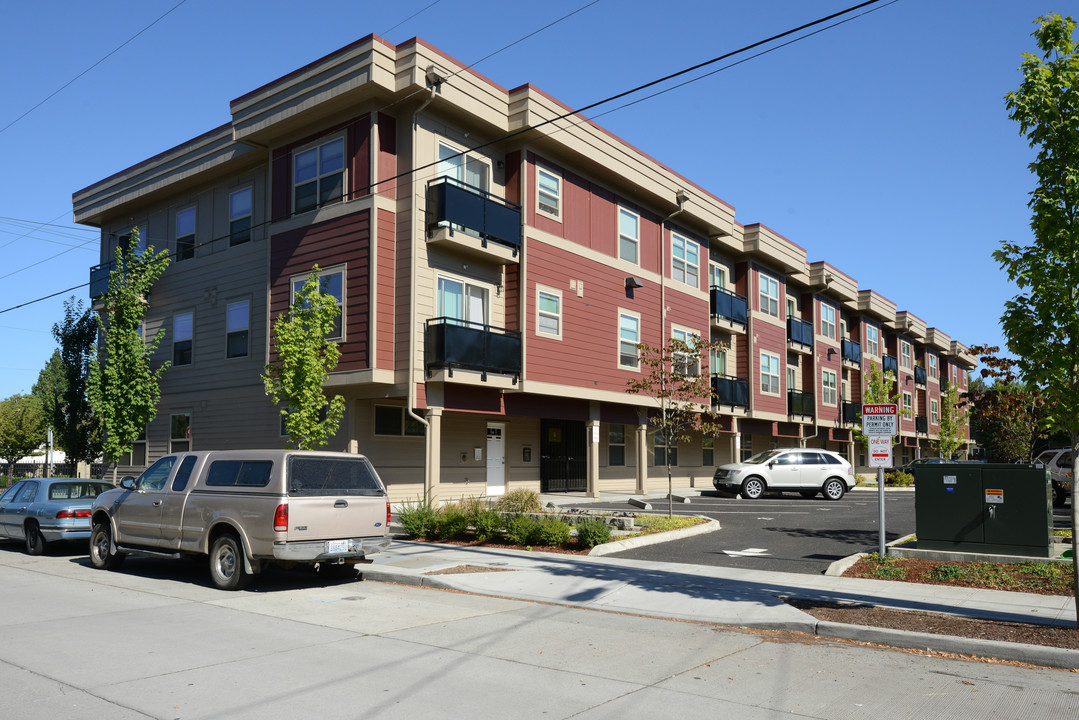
(726, 596)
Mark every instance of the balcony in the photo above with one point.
(852, 413)
(99, 281)
(852, 352)
(890, 364)
(799, 335)
(800, 403)
(451, 344)
(921, 424)
(729, 307)
(472, 221)
(732, 391)
(943, 385)
(919, 375)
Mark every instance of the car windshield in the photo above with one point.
(762, 457)
(77, 490)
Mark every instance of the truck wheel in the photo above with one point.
(227, 563)
(101, 555)
(35, 541)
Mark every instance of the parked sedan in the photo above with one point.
(45, 510)
(806, 471)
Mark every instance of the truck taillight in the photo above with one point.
(73, 514)
(280, 518)
(387, 513)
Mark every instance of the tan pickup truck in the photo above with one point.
(245, 509)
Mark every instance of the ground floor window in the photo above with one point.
(180, 432)
(708, 451)
(616, 445)
(665, 450)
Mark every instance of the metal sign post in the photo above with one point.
(880, 423)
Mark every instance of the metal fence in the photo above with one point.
(24, 470)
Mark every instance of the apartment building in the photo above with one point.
(495, 265)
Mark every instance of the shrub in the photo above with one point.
(488, 524)
(899, 478)
(520, 529)
(885, 568)
(472, 507)
(519, 501)
(418, 518)
(947, 573)
(451, 521)
(551, 531)
(592, 532)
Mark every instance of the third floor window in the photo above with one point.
(185, 234)
(319, 176)
(769, 287)
(629, 235)
(685, 260)
(239, 216)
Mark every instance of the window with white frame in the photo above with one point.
(629, 334)
(330, 282)
(792, 310)
(629, 235)
(665, 450)
(687, 363)
(828, 387)
(934, 412)
(872, 340)
(931, 361)
(137, 456)
(953, 373)
(467, 169)
(717, 276)
(769, 294)
(548, 312)
(827, 320)
(616, 445)
(237, 318)
(548, 193)
(185, 234)
(769, 373)
(906, 354)
(239, 216)
(717, 361)
(182, 351)
(792, 378)
(179, 432)
(685, 260)
(318, 175)
(908, 405)
(462, 301)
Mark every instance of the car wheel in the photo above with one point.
(834, 489)
(35, 541)
(808, 494)
(101, 554)
(752, 488)
(227, 563)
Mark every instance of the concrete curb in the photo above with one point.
(654, 538)
(841, 566)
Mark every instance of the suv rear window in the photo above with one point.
(332, 476)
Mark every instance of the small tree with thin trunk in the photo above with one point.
(22, 428)
(951, 423)
(673, 375)
(304, 359)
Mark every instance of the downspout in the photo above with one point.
(434, 82)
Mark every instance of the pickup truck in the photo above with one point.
(245, 509)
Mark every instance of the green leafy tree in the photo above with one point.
(672, 374)
(122, 388)
(879, 390)
(77, 426)
(49, 389)
(1041, 323)
(952, 423)
(304, 358)
(22, 428)
(1007, 415)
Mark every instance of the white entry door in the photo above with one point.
(496, 459)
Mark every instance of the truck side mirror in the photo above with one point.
(127, 482)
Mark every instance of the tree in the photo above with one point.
(1041, 323)
(1007, 414)
(304, 359)
(49, 389)
(123, 390)
(78, 428)
(952, 422)
(672, 374)
(22, 428)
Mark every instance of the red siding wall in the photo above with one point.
(387, 154)
(385, 290)
(772, 338)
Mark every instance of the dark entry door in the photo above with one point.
(563, 456)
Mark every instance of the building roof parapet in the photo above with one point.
(872, 303)
(937, 340)
(910, 324)
(761, 241)
(834, 283)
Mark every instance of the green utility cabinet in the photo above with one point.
(986, 508)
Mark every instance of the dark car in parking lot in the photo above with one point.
(44, 510)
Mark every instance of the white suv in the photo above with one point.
(1059, 463)
(805, 470)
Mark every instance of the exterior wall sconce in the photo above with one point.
(633, 283)
(831, 352)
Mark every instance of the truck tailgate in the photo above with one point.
(335, 517)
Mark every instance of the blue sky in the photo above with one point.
(881, 146)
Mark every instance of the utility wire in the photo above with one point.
(384, 33)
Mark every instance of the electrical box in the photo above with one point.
(987, 508)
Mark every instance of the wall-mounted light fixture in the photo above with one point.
(831, 352)
(632, 283)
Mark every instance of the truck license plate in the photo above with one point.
(336, 546)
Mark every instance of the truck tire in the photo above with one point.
(227, 568)
(101, 554)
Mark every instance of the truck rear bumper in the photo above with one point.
(316, 550)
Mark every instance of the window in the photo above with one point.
(629, 334)
(685, 260)
(827, 320)
(708, 452)
(717, 362)
(792, 378)
(687, 363)
(137, 456)
(548, 312)
(548, 193)
(180, 432)
(905, 354)
(934, 412)
(183, 475)
(769, 288)
(792, 310)
(239, 216)
(953, 373)
(393, 420)
(185, 234)
(769, 373)
(318, 176)
(458, 300)
(872, 340)
(908, 405)
(331, 282)
(828, 383)
(154, 477)
(27, 493)
(629, 235)
(717, 276)
(181, 338)
(236, 321)
(466, 169)
(616, 445)
(931, 361)
(254, 473)
(665, 451)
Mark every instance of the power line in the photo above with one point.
(37, 223)
(428, 7)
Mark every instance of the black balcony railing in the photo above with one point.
(852, 413)
(450, 343)
(800, 403)
(890, 364)
(921, 424)
(800, 331)
(943, 385)
(729, 305)
(452, 203)
(852, 351)
(919, 375)
(733, 391)
(99, 280)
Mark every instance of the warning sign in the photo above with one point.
(880, 420)
(994, 496)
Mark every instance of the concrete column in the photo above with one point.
(642, 453)
(432, 471)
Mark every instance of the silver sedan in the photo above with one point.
(45, 510)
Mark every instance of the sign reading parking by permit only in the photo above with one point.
(880, 451)
(880, 420)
